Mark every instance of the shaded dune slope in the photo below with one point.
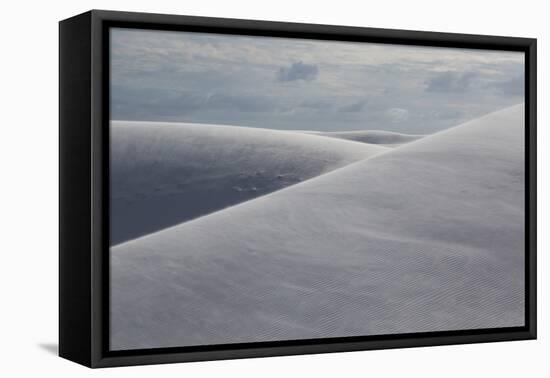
(378, 137)
(426, 237)
(164, 174)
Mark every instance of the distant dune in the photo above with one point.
(426, 237)
(379, 137)
(164, 174)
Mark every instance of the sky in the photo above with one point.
(300, 84)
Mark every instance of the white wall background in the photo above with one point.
(29, 189)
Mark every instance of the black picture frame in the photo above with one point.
(84, 187)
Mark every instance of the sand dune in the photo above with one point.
(378, 137)
(164, 174)
(426, 237)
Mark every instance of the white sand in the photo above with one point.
(426, 237)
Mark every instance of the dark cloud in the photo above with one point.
(514, 86)
(298, 71)
(353, 108)
(451, 82)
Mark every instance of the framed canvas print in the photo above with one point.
(234, 188)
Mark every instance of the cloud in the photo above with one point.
(451, 82)
(132, 103)
(353, 108)
(229, 79)
(242, 103)
(514, 86)
(397, 114)
(298, 71)
(317, 105)
(444, 114)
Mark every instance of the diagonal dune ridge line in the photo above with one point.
(164, 174)
(427, 237)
